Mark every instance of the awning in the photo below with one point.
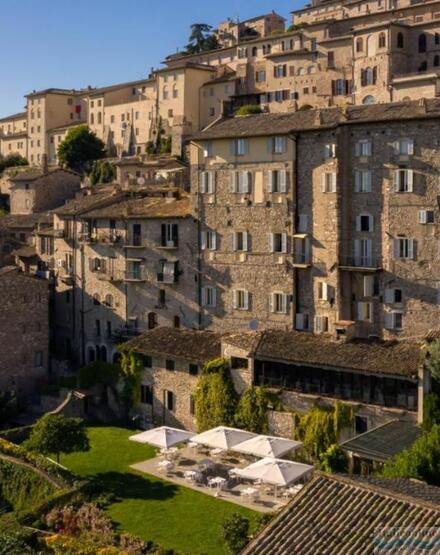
(222, 437)
(267, 446)
(163, 437)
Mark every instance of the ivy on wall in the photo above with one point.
(132, 367)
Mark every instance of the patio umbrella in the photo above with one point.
(275, 471)
(163, 437)
(222, 437)
(267, 446)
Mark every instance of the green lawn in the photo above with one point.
(175, 517)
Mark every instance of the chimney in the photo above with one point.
(44, 165)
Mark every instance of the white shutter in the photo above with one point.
(369, 148)
(324, 291)
(389, 320)
(284, 243)
(214, 296)
(410, 146)
(323, 183)
(234, 240)
(371, 223)
(422, 216)
(214, 240)
(272, 302)
(299, 321)
(396, 181)
(203, 240)
(270, 145)
(334, 182)
(396, 249)
(358, 223)
(202, 182)
(358, 149)
(245, 241)
(361, 311)
(368, 286)
(284, 303)
(246, 178)
(283, 181)
(271, 242)
(410, 180)
(234, 299)
(367, 188)
(357, 181)
(233, 182)
(411, 249)
(203, 296)
(389, 296)
(211, 182)
(327, 151)
(357, 251)
(396, 147)
(270, 177)
(246, 300)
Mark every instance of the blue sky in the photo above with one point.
(75, 43)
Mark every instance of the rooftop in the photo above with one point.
(86, 203)
(109, 88)
(341, 515)
(19, 115)
(147, 207)
(35, 173)
(24, 221)
(305, 120)
(384, 442)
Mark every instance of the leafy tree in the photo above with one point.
(55, 434)
(334, 460)
(201, 39)
(99, 373)
(80, 149)
(12, 161)
(8, 407)
(431, 411)
(235, 533)
(217, 366)
(252, 410)
(165, 146)
(421, 461)
(215, 399)
(14, 544)
(249, 109)
(102, 171)
(433, 360)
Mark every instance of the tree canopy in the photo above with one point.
(102, 171)
(55, 434)
(12, 161)
(201, 39)
(236, 533)
(80, 149)
(252, 410)
(433, 360)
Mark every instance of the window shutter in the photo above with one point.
(246, 182)
(203, 240)
(271, 242)
(334, 182)
(104, 265)
(389, 296)
(422, 216)
(324, 291)
(233, 182)
(284, 303)
(327, 151)
(411, 249)
(203, 182)
(358, 149)
(361, 311)
(357, 250)
(396, 181)
(370, 223)
(270, 177)
(410, 182)
(283, 181)
(303, 223)
(164, 234)
(246, 300)
(396, 249)
(272, 302)
(234, 240)
(368, 181)
(358, 223)
(270, 145)
(410, 146)
(299, 321)
(233, 147)
(284, 243)
(245, 241)
(368, 286)
(357, 181)
(214, 296)
(318, 324)
(214, 240)
(211, 182)
(246, 146)
(323, 183)
(203, 299)
(234, 299)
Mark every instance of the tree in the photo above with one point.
(236, 533)
(215, 399)
(334, 460)
(421, 461)
(201, 39)
(431, 411)
(102, 171)
(80, 149)
(249, 109)
(433, 360)
(252, 410)
(12, 161)
(55, 434)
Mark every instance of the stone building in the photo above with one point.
(24, 332)
(125, 263)
(321, 221)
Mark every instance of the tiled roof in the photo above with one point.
(86, 203)
(339, 515)
(399, 358)
(189, 345)
(35, 173)
(101, 90)
(147, 207)
(19, 115)
(385, 441)
(28, 251)
(307, 120)
(24, 221)
(13, 136)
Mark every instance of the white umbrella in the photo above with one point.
(164, 437)
(222, 437)
(275, 471)
(267, 446)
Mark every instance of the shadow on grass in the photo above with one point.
(125, 485)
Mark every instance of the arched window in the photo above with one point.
(91, 355)
(103, 353)
(359, 45)
(382, 40)
(254, 51)
(400, 41)
(369, 100)
(152, 320)
(423, 66)
(165, 93)
(175, 91)
(368, 76)
(96, 299)
(437, 38)
(109, 301)
(301, 71)
(311, 69)
(177, 321)
(436, 60)
(422, 42)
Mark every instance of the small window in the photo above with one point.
(147, 361)
(170, 400)
(170, 365)
(278, 242)
(400, 40)
(426, 217)
(38, 359)
(146, 394)
(193, 369)
(209, 297)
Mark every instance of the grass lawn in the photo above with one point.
(175, 517)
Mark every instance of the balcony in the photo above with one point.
(134, 276)
(134, 242)
(360, 263)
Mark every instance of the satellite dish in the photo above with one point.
(254, 325)
(141, 181)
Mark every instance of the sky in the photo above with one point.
(76, 43)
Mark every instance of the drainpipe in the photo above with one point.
(295, 295)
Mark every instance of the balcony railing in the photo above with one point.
(134, 275)
(361, 262)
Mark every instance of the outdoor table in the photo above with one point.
(191, 475)
(249, 492)
(165, 465)
(206, 463)
(169, 453)
(218, 482)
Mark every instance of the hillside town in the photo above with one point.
(221, 295)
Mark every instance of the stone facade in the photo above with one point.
(24, 332)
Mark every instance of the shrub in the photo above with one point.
(236, 533)
(102, 171)
(99, 373)
(249, 109)
(252, 410)
(431, 411)
(334, 460)
(433, 360)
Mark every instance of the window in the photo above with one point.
(330, 150)
(323, 291)
(340, 87)
(368, 76)
(404, 248)
(364, 147)
(209, 297)
(369, 99)
(165, 93)
(207, 182)
(175, 92)
(278, 303)
(382, 40)
(426, 217)
(207, 150)
(422, 43)
(98, 328)
(303, 223)
(240, 147)
(364, 223)
(359, 45)
(146, 394)
(109, 329)
(96, 299)
(211, 112)
(168, 273)
(368, 286)
(260, 76)
(436, 62)
(362, 181)
(393, 296)
(170, 400)
(302, 321)
(170, 365)
(209, 240)
(321, 324)
(152, 321)
(278, 242)
(330, 59)
(170, 235)
(404, 147)
(38, 359)
(403, 181)
(240, 241)
(400, 40)
(147, 361)
(394, 320)
(240, 299)
(277, 181)
(328, 182)
(176, 322)
(193, 369)
(161, 296)
(280, 71)
(277, 145)
(365, 312)
(363, 253)
(240, 182)
(302, 250)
